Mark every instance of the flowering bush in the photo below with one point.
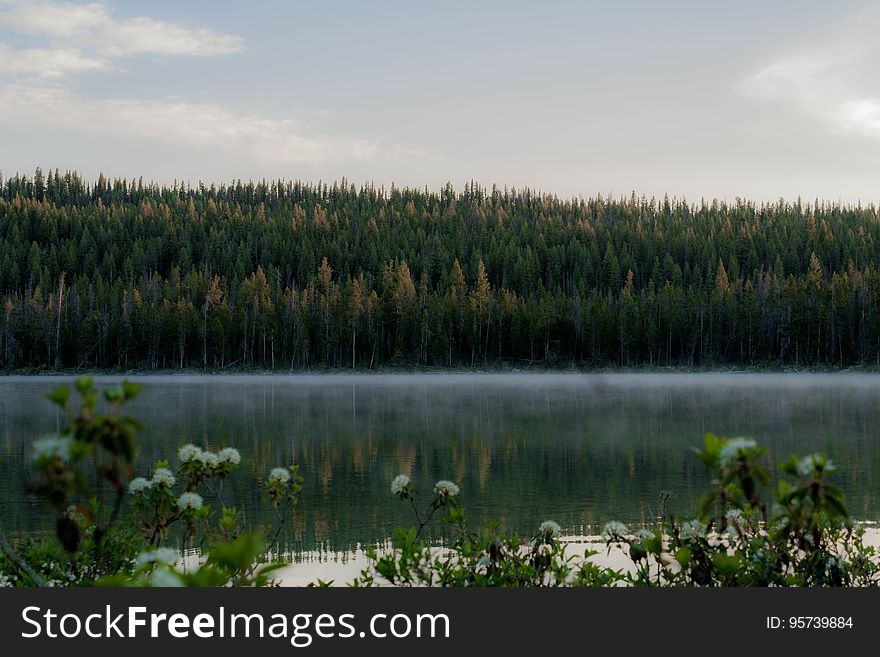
(485, 557)
(109, 527)
(803, 537)
(282, 490)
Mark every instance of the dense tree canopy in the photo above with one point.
(123, 274)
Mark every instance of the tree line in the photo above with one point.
(290, 275)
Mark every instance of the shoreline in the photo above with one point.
(343, 567)
(429, 371)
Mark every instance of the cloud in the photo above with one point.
(48, 62)
(37, 90)
(260, 138)
(835, 82)
(93, 27)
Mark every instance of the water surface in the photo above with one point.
(580, 449)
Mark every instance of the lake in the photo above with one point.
(579, 449)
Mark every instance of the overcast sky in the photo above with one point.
(698, 99)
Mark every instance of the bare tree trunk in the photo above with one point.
(58, 327)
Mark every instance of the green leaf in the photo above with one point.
(654, 545)
(113, 394)
(59, 396)
(637, 551)
(83, 384)
(237, 554)
(683, 556)
(131, 390)
(726, 564)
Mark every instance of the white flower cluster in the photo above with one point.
(643, 533)
(139, 485)
(734, 521)
(445, 488)
(692, 529)
(807, 464)
(280, 475)
(615, 529)
(208, 459)
(6, 581)
(163, 477)
(734, 446)
(230, 455)
(400, 485)
(52, 447)
(189, 501)
(550, 527)
(165, 556)
(188, 453)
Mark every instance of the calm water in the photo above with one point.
(580, 449)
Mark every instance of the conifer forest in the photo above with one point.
(118, 274)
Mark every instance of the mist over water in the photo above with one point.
(580, 449)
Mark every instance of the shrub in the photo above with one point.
(804, 537)
(110, 524)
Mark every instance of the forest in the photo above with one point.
(129, 275)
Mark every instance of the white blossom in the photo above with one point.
(400, 485)
(281, 475)
(809, 463)
(52, 447)
(163, 477)
(550, 527)
(139, 485)
(615, 529)
(692, 529)
(733, 447)
(643, 533)
(188, 453)
(806, 465)
(230, 455)
(209, 459)
(190, 501)
(445, 488)
(165, 556)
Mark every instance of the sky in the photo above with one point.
(698, 99)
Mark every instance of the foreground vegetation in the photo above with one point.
(110, 525)
(279, 275)
(114, 528)
(800, 536)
